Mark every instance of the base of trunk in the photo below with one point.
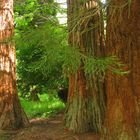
(34, 97)
(83, 115)
(13, 116)
(120, 135)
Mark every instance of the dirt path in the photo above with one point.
(46, 129)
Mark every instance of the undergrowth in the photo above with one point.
(48, 105)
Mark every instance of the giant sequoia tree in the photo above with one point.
(11, 113)
(85, 107)
(123, 92)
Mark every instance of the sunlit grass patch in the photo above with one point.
(47, 105)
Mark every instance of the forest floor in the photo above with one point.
(46, 129)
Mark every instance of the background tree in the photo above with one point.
(39, 36)
(123, 111)
(12, 115)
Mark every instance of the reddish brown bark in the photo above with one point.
(11, 114)
(123, 92)
(86, 104)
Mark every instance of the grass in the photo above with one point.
(48, 105)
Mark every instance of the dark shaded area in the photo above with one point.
(63, 94)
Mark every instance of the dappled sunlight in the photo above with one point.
(6, 16)
(7, 58)
(7, 70)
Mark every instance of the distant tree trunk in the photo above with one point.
(86, 99)
(34, 94)
(11, 114)
(123, 92)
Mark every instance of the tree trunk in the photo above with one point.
(123, 92)
(34, 94)
(11, 114)
(86, 99)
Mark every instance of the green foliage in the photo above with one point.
(48, 105)
(34, 12)
(56, 56)
(99, 66)
(43, 54)
(37, 38)
(40, 57)
(71, 59)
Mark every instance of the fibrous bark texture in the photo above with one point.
(123, 92)
(11, 114)
(86, 100)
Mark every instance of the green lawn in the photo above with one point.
(48, 105)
